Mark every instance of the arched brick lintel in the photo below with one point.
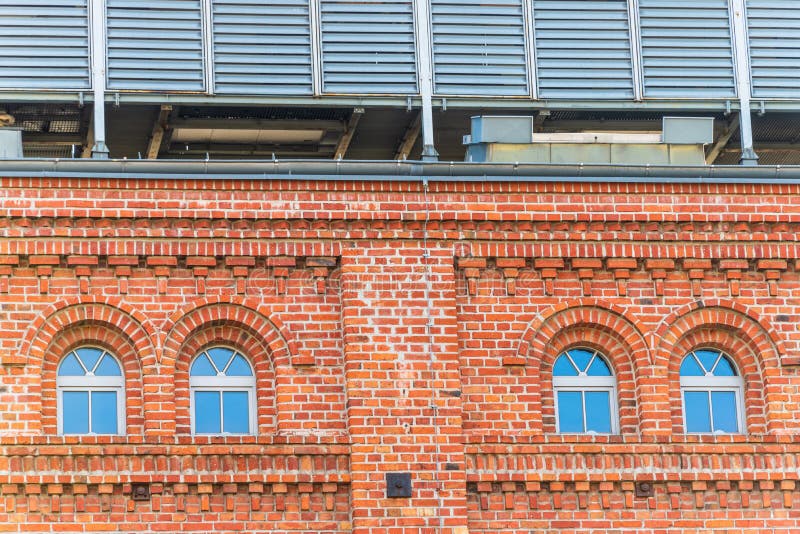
(241, 312)
(73, 312)
(741, 317)
(721, 312)
(583, 312)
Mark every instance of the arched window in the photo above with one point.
(712, 392)
(585, 393)
(223, 393)
(90, 389)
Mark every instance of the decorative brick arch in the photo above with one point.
(236, 310)
(585, 323)
(732, 329)
(587, 311)
(233, 324)
(71, 311)
(70, 325)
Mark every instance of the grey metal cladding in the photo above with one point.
(44, 44)
(479, 47)
(774, 32)
(583, 49)
(155, 45)
(368, 47)
(686, 49)
(262, 48)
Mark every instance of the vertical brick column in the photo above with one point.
(404, 406)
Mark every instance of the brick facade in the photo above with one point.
(394, 328)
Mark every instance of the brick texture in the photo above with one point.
(394, 328)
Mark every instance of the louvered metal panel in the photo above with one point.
(368, 46)
(686, 49)
(583, 49)
(155, 45)
(262, 48)
(44, 44)
(479, 48)
(774, 31)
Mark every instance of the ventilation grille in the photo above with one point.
(479, 48)
(368, 47)
(583, 49)
(155, 45)
(44, 44)
(262, 47)
(686, 49)
(774, 31)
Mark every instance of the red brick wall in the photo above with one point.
(397, 330)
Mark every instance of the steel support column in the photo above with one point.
(739, 18)
(424, 53)
(98, 17)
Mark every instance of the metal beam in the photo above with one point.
(350, 130)
(87, 147)
(157, 135)
(776, 147)
(256, 124)
(730, 128)
(409, 138)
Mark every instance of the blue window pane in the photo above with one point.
(89, 357)
(108, 367)
(75, 412)
(598, 368)
(598, 412)
(690, 367)
(724, 368)
(221, 356)
(563, 367)
(239, 367)
(236, 412)
(206, 412)
(581, 358)
(104, 412)
(70, 366)
(570, 412)
(695, 405)
(723, 405)
(202, 367)
(707, 358)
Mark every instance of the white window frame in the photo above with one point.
(90, 383)
(584, 383)
(709, 384)
(222, 384)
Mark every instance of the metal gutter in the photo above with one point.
(393, 171)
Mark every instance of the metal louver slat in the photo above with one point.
(774, 31)
(686, 49)
(44, 44)
(583, 49)
(155, 45)
(368, 46)
(262, 48)
(479, 48)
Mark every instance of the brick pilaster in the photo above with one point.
(394, 381)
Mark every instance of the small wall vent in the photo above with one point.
(10, 143)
